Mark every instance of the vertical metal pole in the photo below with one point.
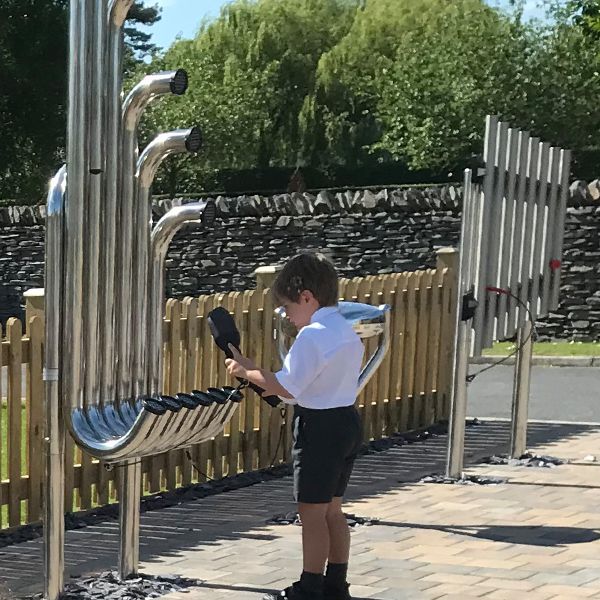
(462, 348)
(54, 423)
(130, 481)
(520, 406)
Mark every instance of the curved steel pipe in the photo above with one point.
(117, 13)
(136, 216)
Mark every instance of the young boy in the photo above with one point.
(320, 377)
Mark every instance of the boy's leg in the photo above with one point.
(335, 584)
(339, 533)
(315, 536)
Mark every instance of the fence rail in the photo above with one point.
(410, 389)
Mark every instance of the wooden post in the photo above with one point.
(34, 306)
(265, 276)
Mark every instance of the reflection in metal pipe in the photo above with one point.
(140, 210)
(162, 234)
(117, 14)
(54, 426)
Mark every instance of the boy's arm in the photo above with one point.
(243, 367)
(266, 380)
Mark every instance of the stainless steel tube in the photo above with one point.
(520, 405)
(72, 338)
(528, 231)
(508, 228)
(130, 486)
(135, 248)
(458, 397)
(557, 249)
(518, 242)
(490, 150)
(95, 176)
(54, 426)
(117, 14)
(162, 234)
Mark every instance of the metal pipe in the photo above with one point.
(97, 152)
(489, 156)
(140, 214)
(549, 230)
(540, 216)
(494, 257)
(508, 227)
(517, 237)
(559, 232)
(54, 425)
(162, 234)
(116, 18)
(73, 295)
(130, 486)
(460, 359)
(521, 386)
(528, 231)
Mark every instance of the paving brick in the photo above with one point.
(532, 537)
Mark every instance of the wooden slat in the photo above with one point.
(234, 445)
(35, 413)
(377, 400)
(14, 334)
(172, 381)
(396, 372)
(189, 323)
(408, 365)
(196, 450)
(255, 353)
(383, 373)
(364, 295)
(422, 342)
(446, 346)
(205, 305)
(219, 379)
(435, 322)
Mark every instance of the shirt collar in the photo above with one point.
(323, 313)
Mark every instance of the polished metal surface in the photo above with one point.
(98, 279)
(520, 234)
(460, 359)
(521, 386)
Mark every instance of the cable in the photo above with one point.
(533, 332)
(282, 412)
(193, 462)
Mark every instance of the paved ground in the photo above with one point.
(538, 534)
(557, 393)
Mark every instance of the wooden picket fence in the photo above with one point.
(410, 390)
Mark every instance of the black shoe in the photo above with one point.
(336, 593)
(294, 592)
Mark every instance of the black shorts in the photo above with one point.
(326, 443)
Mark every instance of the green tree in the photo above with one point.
(251, 72)
(33, 89)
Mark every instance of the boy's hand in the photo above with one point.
(238, 365)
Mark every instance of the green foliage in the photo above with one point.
(251, 72)
(339, 87)
(33, 90)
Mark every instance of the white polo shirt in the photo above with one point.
(322, 367)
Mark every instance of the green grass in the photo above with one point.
(549, 349)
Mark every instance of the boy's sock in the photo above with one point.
(312, 582)
(335, 576)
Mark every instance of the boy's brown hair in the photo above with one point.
(307, 271)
